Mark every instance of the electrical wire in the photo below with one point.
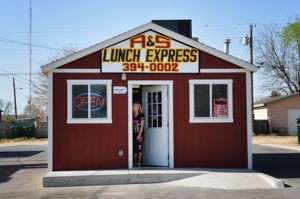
(6, 74)
(13, 75)
(27, 44)
(15, 79)
(6, 86)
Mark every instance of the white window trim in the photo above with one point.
(211, 119)
(71, 120)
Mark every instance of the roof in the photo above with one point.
(274, 100)
(139, 30)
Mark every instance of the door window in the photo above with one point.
(154, 109)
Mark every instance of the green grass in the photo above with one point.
(273, 134)
(20, 139)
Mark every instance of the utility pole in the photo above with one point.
(15, 98)
(251, 62)
(251, 44)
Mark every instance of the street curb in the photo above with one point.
(276, 183)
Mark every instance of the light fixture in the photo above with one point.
(123, 76)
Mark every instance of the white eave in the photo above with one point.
(258, 105)
(139, 30)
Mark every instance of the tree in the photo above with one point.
(279, 69)
(40, 89)
(36, 110)
(40, 83)
(261, 98)
(291, 37)
(275, 94)
(291, 34)
(64, 52)
(6, 107)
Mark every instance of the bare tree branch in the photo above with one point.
(280, 69)
(40, 83)
(6, 107)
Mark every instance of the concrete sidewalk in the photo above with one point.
(206, 178)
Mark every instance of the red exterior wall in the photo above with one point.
(95, 146)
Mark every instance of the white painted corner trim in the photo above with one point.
(50, 121)
(249, 119)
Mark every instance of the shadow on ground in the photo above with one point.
(278, 165)
(18, 154)
(7, 171)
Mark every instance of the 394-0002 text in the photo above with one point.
(152, 67)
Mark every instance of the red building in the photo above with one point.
(197, 102)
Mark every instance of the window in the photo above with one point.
(154, 109)
(89, 101)
(210, 101)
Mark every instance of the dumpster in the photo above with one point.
(298, 127)
(29, 131)
(15, 131)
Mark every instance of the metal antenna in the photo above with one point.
(30, 60)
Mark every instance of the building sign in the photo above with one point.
(149, 52)
(120, 90)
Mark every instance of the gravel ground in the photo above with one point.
(287, 142)
(36, 142)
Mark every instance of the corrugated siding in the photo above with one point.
(222, 145)
(209, 61)
(88, 146)
(95, 146)
(91, 61)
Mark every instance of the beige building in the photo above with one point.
(281, 112)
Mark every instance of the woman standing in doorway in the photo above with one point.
(138, 132)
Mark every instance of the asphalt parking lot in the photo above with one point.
(22, 168)
(279, 163)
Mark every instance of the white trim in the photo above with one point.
(216, 70)
(50, 121)
(98, 70)
(171, 122)
(249, 119)
(211, 119)
(139, 30)
(76, 71)
(71, 120)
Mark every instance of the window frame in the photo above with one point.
(71, 120)
(211, 119)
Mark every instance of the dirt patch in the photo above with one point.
(26, 142)
(281, 140)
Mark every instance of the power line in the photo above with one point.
(16, 79)
(28, 44)
(5, 86)
(207, 25)
(64, 31)
(14, 74)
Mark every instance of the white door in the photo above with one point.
(155, 106)
(293, 114)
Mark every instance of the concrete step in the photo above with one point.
(212, 178)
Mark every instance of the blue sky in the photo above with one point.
(57, 23)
